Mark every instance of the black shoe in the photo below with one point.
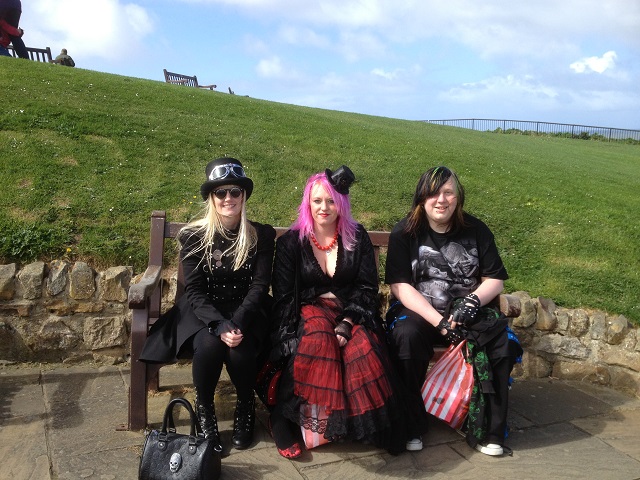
(243, 422)
(209, 423)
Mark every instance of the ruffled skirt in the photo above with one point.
(351, 386)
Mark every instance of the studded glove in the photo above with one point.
(452, 335)
(465, 313)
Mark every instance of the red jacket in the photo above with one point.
(7, 31)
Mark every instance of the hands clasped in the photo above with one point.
(232, 338)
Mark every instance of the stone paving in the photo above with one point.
(64, 422)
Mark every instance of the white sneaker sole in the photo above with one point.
(414, 446)
(491, 449)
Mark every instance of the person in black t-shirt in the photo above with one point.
(443, 261)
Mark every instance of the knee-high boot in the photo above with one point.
(243, 422)
(206, 413)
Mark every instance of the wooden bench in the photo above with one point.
(179, 79)
(145, 304)
(36, 54)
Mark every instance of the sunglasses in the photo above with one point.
(223, 171)
(221, 193)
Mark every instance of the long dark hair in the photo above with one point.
(430, 182)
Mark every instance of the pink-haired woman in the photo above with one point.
(336, 379)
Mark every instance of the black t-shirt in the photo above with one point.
(444, 266)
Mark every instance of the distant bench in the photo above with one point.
(36, 54)
(145, 304)
(179, 79)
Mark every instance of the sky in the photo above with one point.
(564, 61)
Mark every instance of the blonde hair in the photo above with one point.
(210, 226)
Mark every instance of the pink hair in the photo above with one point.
(347, 226)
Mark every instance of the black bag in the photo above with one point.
(170, 455)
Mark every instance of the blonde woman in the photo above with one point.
(222, 316)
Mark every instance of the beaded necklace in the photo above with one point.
(328, 247)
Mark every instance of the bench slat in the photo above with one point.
(179, 79)
(35, 54)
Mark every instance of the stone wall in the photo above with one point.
(577, 344)
(64, 312)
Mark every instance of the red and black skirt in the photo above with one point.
(351, 386)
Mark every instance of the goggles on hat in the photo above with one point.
(223, 171)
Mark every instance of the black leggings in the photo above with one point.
(210, 353)
(411, 343)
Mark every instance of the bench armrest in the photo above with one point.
(140, 292)
(208, 87)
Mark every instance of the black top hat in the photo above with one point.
(341, 179)
(225, 171)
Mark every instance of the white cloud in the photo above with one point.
(355, 46)
(398, 74)
(270, 67)
(109, 29)
(491, 27)
(274, 68)
(595, 64)
(379, 72)
(303, 36)
(500, 88)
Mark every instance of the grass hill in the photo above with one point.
(86, 157)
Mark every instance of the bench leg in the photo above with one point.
(138, 379)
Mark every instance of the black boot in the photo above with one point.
(206, 414)
(243, 422)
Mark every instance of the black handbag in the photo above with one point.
(170, 455)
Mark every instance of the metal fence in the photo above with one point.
(527, 127)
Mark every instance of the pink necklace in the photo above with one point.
(328, 247)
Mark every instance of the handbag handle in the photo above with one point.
(167, 421)
(459, 346)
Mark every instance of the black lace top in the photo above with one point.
(354, 283)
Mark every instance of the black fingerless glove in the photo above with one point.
(213, 326)
(453, 336)
(344, 329)
(465, 313)
(217, 328)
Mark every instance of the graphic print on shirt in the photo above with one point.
(447, 273)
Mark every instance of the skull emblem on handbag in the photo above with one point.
(174, 462)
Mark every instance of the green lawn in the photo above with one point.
(87, 156)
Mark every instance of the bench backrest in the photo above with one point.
(36, 54)
(177, 78)
(161, 230)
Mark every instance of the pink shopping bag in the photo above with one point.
(446, 391)
(313, 432)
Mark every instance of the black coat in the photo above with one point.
(354, 283)
(219, 298)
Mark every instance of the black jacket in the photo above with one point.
(354, 283)
(222, 299)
